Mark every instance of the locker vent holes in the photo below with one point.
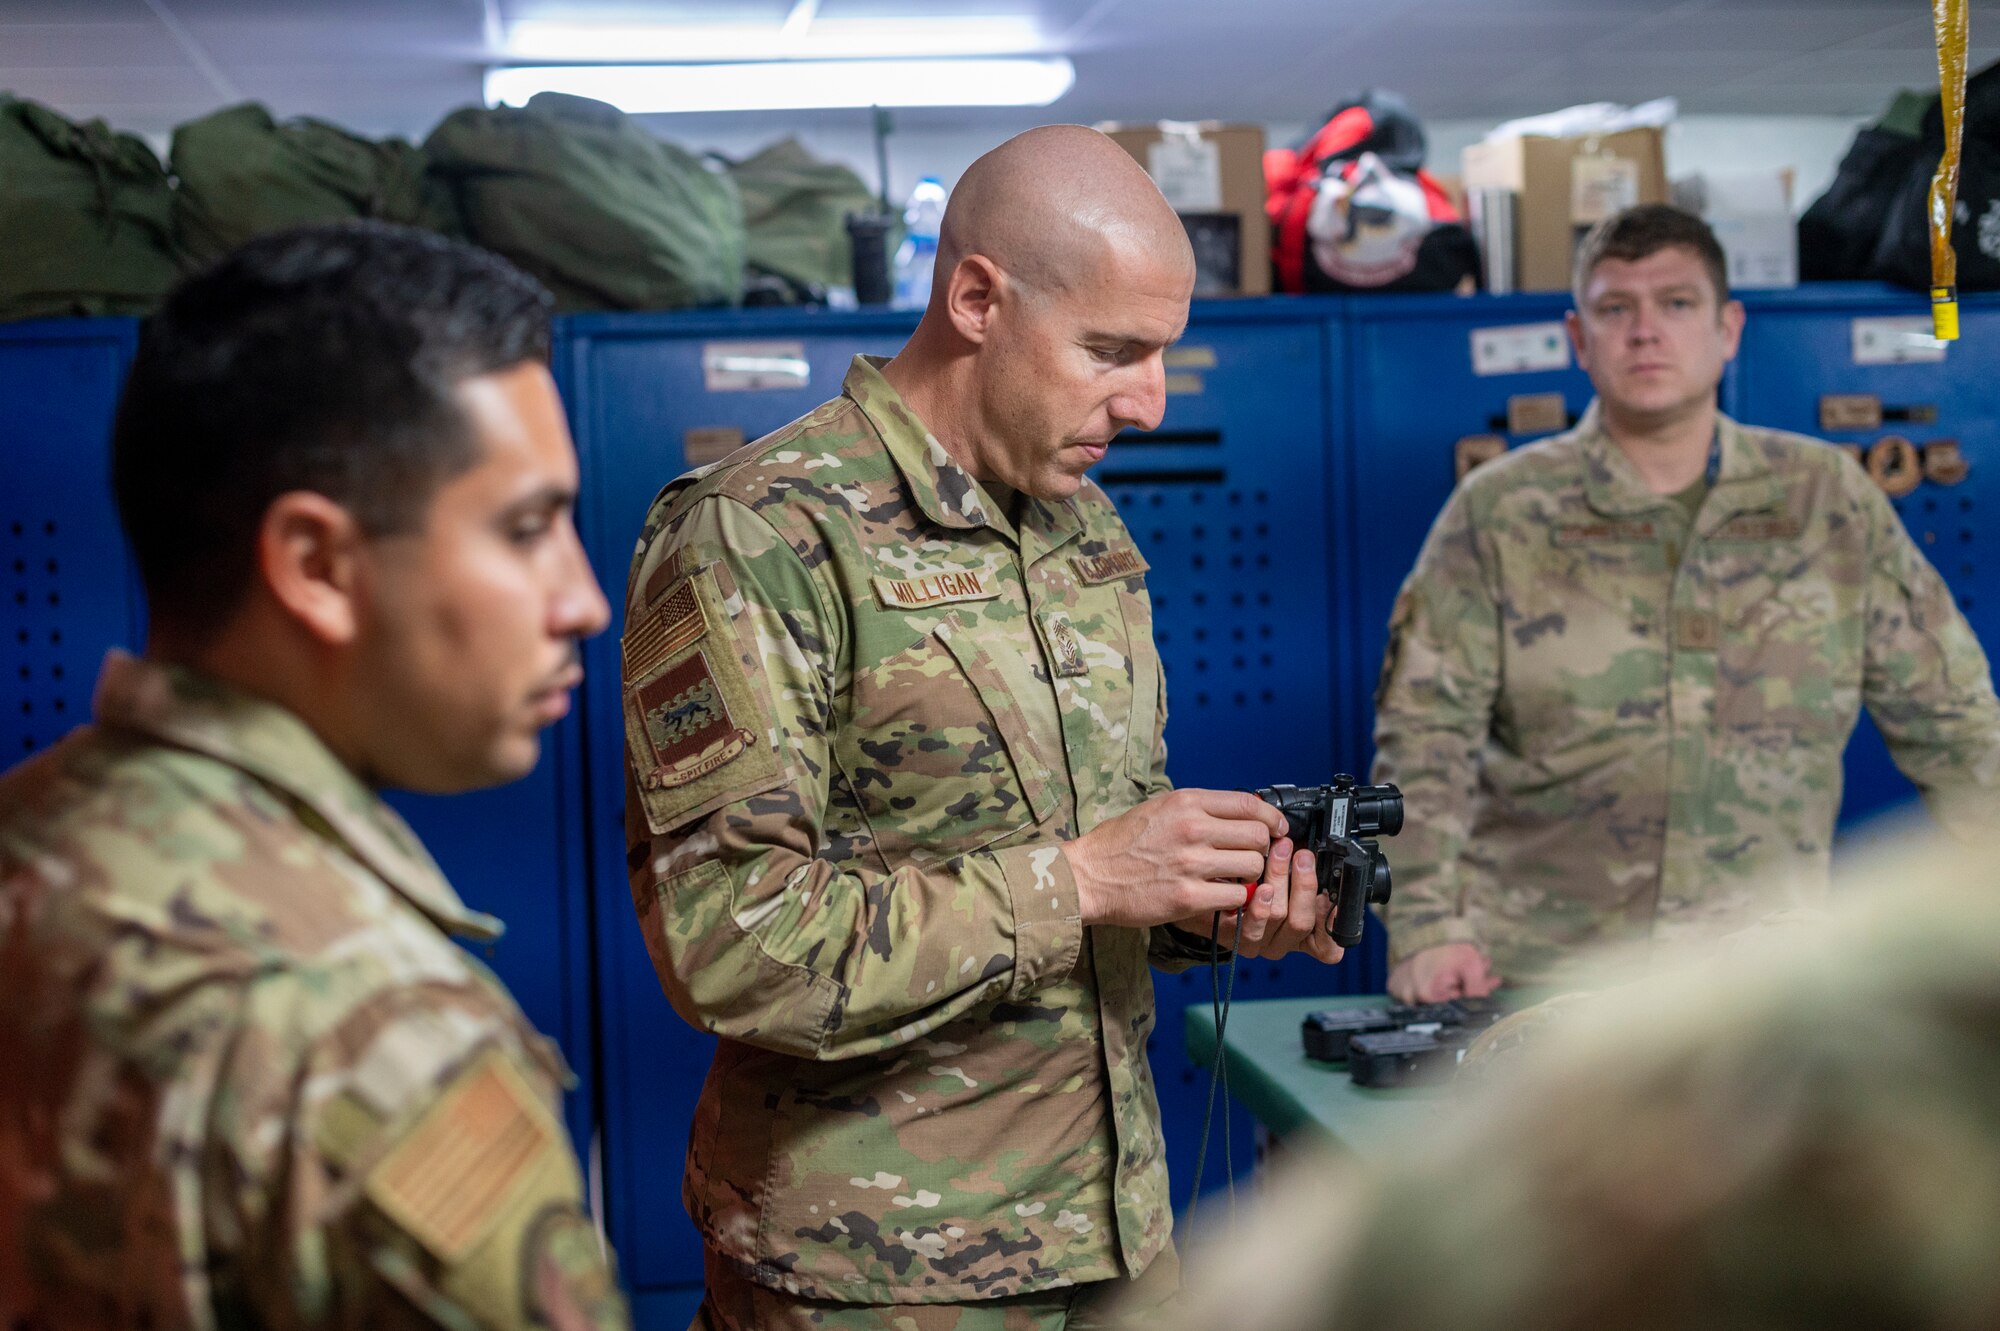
(52, 691)
(1944, 528)
(1214, 547)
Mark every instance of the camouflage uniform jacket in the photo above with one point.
(245, 1077)
(1610, 724)
(863, 709)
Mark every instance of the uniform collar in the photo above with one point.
(945, 492)
(1744, 483)
(191, 711)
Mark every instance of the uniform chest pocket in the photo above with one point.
(940, 756)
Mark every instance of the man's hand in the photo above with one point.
(1449, 970)
(1182, 855)
(1287, 914)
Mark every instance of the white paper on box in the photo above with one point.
(1187, 168)
(1600, 187)
(1903, 340)
(1762, 250)
(1520, 349)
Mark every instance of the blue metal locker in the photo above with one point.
(72, 594)
(68, 591)
(1414, 391)
(1800, 346)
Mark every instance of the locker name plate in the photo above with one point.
(1520, 349)
(1904, 340)
(744, 367)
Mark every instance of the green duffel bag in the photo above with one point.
(608, 215)
(241, 174)
(795, 207)
(86, 217)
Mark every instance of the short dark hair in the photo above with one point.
(1645, 230)
(320, 359)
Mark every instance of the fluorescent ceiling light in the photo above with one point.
(792, 85)
(802, 36)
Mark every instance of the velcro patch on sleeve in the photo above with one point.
(1123, 562)
(690, 707)
(944, 588)
(451, 1177)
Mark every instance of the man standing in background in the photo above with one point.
(1622, 674)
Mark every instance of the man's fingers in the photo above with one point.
(1237, 866)
(1305, 912)
(1240, 806)
(1236, 833)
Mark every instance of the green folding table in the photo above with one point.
(1299, 1098)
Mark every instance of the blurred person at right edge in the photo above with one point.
(1800, 1133)
(1622, 674)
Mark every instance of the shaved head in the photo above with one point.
(1051, 207)
(1062, 277)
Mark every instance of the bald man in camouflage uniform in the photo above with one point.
(900, 826)
(247, 1079)
(1622, 674)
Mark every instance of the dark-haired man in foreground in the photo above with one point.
(1622, 675)
(246, 1078)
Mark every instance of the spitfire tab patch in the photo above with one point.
(1108, 567)
(687, 723)
(937, 589)
(1604, 533)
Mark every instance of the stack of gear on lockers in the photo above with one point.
(1352, 208)
(1872, 222)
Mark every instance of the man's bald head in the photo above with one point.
(1055, 207)
(1062, 278)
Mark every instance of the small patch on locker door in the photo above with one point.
(1094, 570)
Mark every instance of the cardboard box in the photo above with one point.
(1213, 175)
(1566, 186)
(1751, 215)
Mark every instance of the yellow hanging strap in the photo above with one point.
(1950, 18)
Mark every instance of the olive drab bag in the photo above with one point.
(86, 217)
(609, 216)
(240, 174)
(795, 208)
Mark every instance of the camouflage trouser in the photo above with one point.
(736, 1304)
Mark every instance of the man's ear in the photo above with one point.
(972, 296)
(308, 552)
(1732, 326)
(1573, 322)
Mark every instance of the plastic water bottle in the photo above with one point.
(916, 258)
